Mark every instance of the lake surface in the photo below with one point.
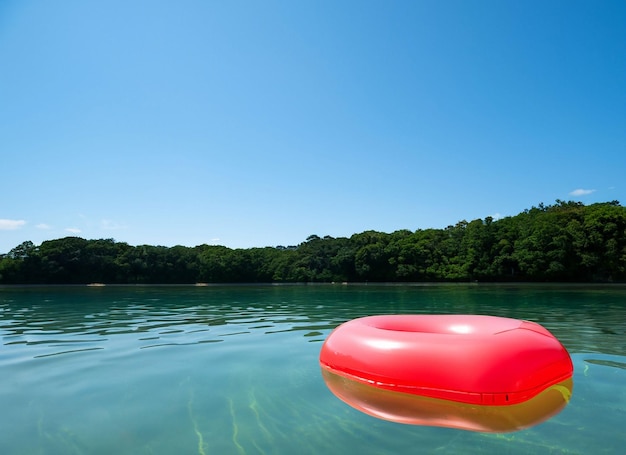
(234, 370)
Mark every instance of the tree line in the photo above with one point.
(563, 242)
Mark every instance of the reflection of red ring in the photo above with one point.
(480, 360)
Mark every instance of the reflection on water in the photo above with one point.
(421, 410)
(607, 363)
(223, 369)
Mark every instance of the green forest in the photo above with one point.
(563, 242)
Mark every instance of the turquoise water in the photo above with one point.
(234, 370)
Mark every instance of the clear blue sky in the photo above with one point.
(260, 123)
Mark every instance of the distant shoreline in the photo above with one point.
(563, 243)
(329, 284)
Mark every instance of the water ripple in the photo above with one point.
(45, 320)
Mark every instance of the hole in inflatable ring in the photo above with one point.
(399, 325)
(417, 326)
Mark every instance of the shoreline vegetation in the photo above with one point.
(566, 242)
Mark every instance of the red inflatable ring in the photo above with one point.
(466, 363)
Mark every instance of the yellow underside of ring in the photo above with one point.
(418, 410)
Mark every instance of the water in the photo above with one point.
(234, 370)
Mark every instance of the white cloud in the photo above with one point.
(581, 192)
(43, 226)
(496, 216)
(10, 225)
(73, 230)
(111, 225)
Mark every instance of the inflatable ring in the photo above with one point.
(481, 373)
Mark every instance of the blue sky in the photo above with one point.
(252, 124)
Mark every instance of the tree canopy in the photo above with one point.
(563, 242)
